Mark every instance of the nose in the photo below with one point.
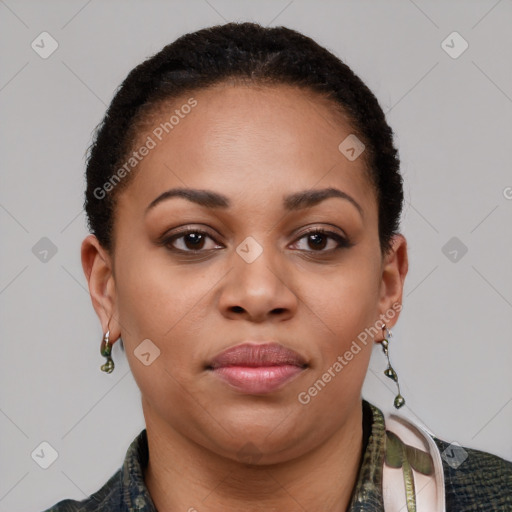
(258, 291)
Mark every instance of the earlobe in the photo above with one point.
(97, 267)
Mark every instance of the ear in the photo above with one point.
(98, 269)
(395, 265)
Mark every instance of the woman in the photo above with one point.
(244, 197)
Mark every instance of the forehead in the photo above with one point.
(247, 141)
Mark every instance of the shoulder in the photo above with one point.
(124, 491)
(107, 498)
(475, 479)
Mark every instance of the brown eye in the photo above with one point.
(192, 240)
(318, 239)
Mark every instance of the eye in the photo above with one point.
(195, 241)
(190, 240)
(318, 239)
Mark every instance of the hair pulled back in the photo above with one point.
(245, 52)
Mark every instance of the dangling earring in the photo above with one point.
(106, 350)
(389, 372)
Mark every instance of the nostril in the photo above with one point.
(237, 309)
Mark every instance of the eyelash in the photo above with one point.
(342, 242)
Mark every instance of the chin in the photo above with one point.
(266, 441)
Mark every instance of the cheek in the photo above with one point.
(345, 307)
(154, 294)
(347, 310)
(166, 304)
(160, 303)
(344, 302)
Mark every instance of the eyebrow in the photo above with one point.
(291, 202)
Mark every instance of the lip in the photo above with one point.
(257, 368)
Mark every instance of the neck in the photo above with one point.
(182, 475)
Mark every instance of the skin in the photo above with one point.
(313, 299)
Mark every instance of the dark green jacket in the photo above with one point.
(481, 483)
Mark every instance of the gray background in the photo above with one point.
(452, 347)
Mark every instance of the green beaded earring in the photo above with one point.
(106, 350)
(389, 372)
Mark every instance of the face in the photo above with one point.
(197, 274)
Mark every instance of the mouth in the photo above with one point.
(257, 368)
